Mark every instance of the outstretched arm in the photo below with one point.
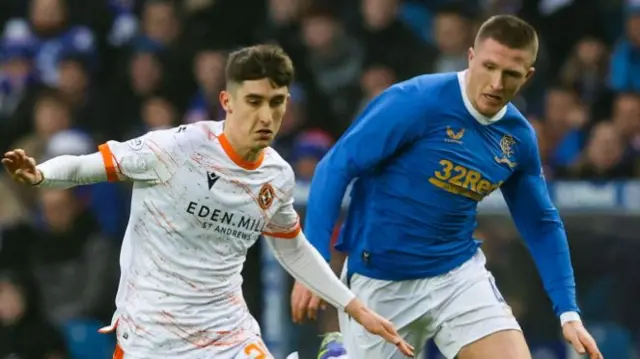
(153, 157)
(59, 172)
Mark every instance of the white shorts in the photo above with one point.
(252, 348)
(455, 309)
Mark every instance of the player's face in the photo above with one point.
(255, 110)
(496, 74)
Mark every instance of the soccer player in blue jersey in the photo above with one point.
(424, 153)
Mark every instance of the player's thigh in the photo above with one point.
(253, 349)
(400, 302)
(506, 344)
(471, 309)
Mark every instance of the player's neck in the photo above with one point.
(247, 153)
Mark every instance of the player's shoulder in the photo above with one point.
(274, 163)
(427, 86)
(521, 127)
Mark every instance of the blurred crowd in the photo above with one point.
(75, 73)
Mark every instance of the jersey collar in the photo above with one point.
(236, 158)
(485, 120)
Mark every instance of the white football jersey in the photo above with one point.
(197, 207)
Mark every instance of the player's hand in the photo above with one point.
(583, 343)
(21, 167)
(377, 325)
(304, 304)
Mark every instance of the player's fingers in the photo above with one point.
(312, 308)
(591, 347)
(299, 307)
(20, 153)
(577, 344)
(395, 339)
(32, 162)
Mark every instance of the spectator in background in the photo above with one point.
(143, 79)
(86, 102)
(17, 77)
(24, 332)
(453, 36)
(107, 201)
(626, 118)
(586, 72)
(16, 74)
(48, 25)
(158, 114)
(309, 148)
(51, 114)
(374, 80)
(293, 122)
(209, 72)
(562, 128)
(389, 41)
(335, 60)
(625, 63)
(603, 158)
(73, 264)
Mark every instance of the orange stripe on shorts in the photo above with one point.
(118, 353)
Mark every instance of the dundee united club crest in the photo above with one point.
(266, 196)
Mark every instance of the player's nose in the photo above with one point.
(497, 82)
(265, 117)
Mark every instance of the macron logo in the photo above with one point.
(212, 178)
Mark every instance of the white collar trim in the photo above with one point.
(472, 110)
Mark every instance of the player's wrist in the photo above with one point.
(567, 317)
(39, 178)
(355, 307)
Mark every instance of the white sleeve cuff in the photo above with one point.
(307, 266)
(569, 317)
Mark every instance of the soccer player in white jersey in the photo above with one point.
(202, 195)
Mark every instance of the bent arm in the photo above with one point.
(306, 265)
(69, 171)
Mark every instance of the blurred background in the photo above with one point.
(74, 73)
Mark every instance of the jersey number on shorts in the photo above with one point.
(255, 351)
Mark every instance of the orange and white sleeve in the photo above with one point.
(153, 157)
(285, 223)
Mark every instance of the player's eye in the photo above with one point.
(276, 102)
(489, 66)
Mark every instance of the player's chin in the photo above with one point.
(263, 141)
(489, 106)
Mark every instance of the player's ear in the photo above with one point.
(530, 73)
(470, 54)
(225, 100)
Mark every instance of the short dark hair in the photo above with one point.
(509, 31)
(260, 62)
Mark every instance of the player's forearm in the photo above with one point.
(307, 266)
(69, 171)
(541, 227)
(323, 206)
(550, 252)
